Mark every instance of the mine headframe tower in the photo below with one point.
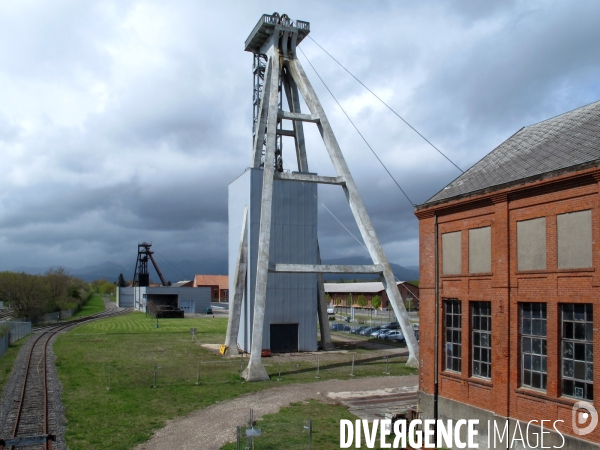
(141, 276)
(276, 70)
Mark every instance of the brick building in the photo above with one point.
(219, 285)
(346, 294)
(518, 245)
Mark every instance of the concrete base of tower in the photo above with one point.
(255, 372)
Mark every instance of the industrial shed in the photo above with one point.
(346, 294)
(290, 322)
(190, 300)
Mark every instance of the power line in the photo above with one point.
(385, 104)
(356, 128)
(363, 245)
(172, 265)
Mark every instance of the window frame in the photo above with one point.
(531, 351)
(455, 303)
(480, 346)
(582, 347)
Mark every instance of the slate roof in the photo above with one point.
(564, 141)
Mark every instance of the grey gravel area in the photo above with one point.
(12, 389)
(212, 427)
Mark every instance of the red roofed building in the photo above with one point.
(218, 283)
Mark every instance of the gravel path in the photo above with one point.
(212, 427)
(12, 389)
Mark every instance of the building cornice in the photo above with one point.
(500, 194)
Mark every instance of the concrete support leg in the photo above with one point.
(326, 343)
(255, 370)
(391, 288)
(235, 305)
(355, 202)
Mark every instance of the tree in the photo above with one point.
(361, 301)
(25, 293)
(58, 281)
(376, 302)
(107, 288)
(121, 282)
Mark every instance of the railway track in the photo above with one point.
(32, 418)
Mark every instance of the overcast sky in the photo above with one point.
(125, 121)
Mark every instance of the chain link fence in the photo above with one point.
(206, 373)
(296, 434)
(11, 332)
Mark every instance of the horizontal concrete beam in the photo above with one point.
(297, 116)
(308, 178)
(324, 268)
(286, 133)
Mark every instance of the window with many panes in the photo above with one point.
(577, 350)
(453, 335)
(481, 324)
(533, 345)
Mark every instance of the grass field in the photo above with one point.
(285, 429)
(122, 352)
(92, 306)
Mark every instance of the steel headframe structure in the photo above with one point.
(277, 68)
(141, 274)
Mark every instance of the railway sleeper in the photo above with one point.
(28, 440)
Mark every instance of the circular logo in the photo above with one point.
(579, 418)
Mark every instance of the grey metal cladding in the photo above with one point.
(564, 141)
(574, 236)
(480, 250)
(531, 244)
(452, 253)
(291, 297)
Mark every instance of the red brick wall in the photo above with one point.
(505, 287)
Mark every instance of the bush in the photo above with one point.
(362, 301)
(331, 318)
(376, 302)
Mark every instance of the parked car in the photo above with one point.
(395, 335)
(383, 333)
(330, 311)
(367, 331)
(357, 330)
(339, 327)
(416, 327)
(208, 310)
(375, 333)
(391, 325)
(370, 330)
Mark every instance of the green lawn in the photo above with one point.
(285, 429)
(92, 306)
(121, 352)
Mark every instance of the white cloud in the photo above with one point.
(125, 121)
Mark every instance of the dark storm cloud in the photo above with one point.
(125, 121)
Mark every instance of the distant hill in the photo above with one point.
(186, 269)
(172, 271)
(400, 272)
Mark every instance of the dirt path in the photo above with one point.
(212, 427)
